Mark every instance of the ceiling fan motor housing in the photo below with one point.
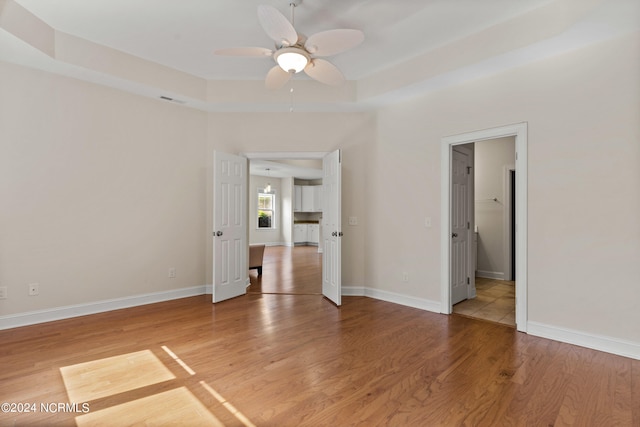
(292, 59)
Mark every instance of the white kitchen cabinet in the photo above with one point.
(297, 198)
(306, 234)
(308, 198)
(313, 233)
(299, 233)
(317, 198)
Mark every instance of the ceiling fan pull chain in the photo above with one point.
(291, 98)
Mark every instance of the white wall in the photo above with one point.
(101, 192)
(287, 210)
(582, 110)
(491, 159)
(274, 236)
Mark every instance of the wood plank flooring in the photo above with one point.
(289, 270)
(297, 360)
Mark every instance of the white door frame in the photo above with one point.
(506, 215)
(519, 130)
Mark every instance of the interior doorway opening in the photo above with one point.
(491, 288)
(519, 132)
(293, 256)
(330, 228)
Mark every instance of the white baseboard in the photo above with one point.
(275, 244)
(409, 301)
(59, 313)
(596, 342)
(583, 339)
(498, 275)
(353, 291)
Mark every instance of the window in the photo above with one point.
(266, 209)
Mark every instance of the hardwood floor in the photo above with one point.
(495, 301)
(297, 360)
(289, 270)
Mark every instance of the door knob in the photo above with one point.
(453, 235)
(218, 233)
(334, 234)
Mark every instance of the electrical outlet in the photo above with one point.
(427, 222)
(3, 292)
(353, 220)
(172, 273)
(405, 277)
(34, 289)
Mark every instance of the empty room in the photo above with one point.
(129, 211)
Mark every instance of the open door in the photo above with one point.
(460, 224)
(230, 263)
(332, 228)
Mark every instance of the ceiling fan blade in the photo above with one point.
(276, 78)
(277, 26)
(245, 51)
(332, 42)
(324, 72)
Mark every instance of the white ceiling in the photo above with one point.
(400, 36)
(183, 34)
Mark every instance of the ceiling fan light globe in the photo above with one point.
(292, 59)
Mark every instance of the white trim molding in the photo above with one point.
(519, 130)
(69, 311)
(353, 291)
(498, 275)
(393, 297)
(596, 342)
(293, 155)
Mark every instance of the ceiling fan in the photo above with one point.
(295, 52)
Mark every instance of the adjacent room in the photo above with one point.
(284, 226)
(451, 261)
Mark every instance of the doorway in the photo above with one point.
(488, 293)
(292, 259)
(519, 131)
(327, 230)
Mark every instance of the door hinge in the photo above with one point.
(516, 155)
(468, 170)
(468, 225)
(468, 281)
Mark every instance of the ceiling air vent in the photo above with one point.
(166, 98)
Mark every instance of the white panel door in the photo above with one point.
(332, 228)
(460, 226)
(230, 263)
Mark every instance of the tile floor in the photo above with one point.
(494, 301)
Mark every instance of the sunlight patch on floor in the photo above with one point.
(112, 375)
(239, 415)
(177, 407)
